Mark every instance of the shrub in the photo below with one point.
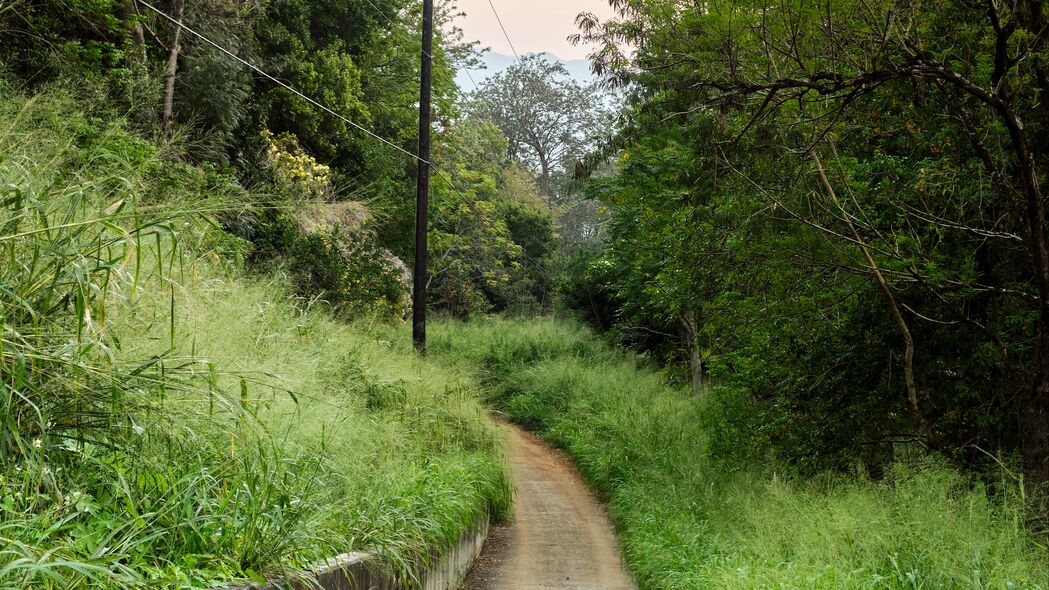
(332, 256)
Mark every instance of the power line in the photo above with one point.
(471, 77)
(505, 34)
(310, 100)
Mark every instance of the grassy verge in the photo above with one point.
(167, 421)
(340, 437)
(687, 520)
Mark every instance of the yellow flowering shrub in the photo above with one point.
(293, 165)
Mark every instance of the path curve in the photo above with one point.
(560, 538)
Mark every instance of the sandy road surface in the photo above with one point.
(560, 538)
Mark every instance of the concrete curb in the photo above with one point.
(365, 571)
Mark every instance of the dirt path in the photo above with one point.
(560, 538)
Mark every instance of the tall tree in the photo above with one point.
(178, 8)
(549, 118)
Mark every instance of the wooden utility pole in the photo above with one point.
(423, 185)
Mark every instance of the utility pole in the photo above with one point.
(423, 186)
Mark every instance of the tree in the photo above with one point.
(178, 8)
(492, 234)
(549, 119)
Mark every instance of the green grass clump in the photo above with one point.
(167, 421)
(688, 520)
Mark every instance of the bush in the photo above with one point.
(331, 256)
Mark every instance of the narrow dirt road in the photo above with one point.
(560, 538)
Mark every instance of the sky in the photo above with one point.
(534, 26)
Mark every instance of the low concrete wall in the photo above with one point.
(364, 571)
(449, 569)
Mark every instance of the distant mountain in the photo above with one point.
(578, 69)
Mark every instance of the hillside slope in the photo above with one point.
(174, 422)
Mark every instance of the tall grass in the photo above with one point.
(686, 519)
(70, 240)
(402, 457)
(167, 422)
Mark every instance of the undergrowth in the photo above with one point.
(687, 519)
(167, 421)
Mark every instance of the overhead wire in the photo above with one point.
(505, 34)
(471, 77)
(312, 101)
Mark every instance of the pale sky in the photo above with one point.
(533, 25)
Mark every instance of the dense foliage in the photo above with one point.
(832, 211)
(169, 422)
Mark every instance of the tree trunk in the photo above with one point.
(1034, 418)
(178, 9)
(126, 13)
(544, 173)
(1034, 406)
(697, 370)
(908, 340)
(691, 326)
